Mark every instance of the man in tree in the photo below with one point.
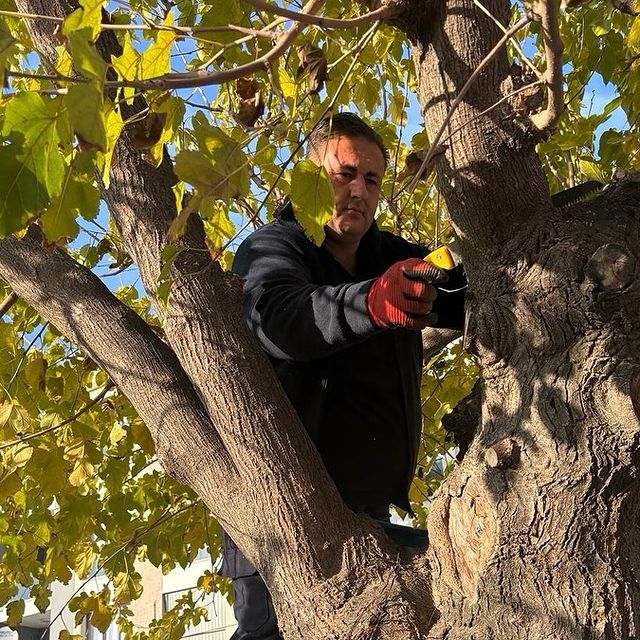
(341, 324)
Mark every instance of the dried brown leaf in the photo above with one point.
(251, 105)
(415, 160)
(147, 132)
(313, 60)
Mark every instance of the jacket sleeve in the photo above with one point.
(293, 317)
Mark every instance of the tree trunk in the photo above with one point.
(535, 534)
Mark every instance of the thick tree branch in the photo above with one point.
(143, 367)
(462, 93)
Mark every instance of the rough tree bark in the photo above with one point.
(534, 534)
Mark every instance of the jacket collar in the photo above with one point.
(371, 240)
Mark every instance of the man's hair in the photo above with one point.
(342, 124)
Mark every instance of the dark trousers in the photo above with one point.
(252, 606)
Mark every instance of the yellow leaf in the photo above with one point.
(127, 65)
(634, 35)
(117, 433)
(81, 473)
(42, 534)
(156, 60)
(114, 126)
(9, 485)
(312, 198)
(14, 420)
(16, 456)
(102, 615)
(15, 611)
(88, 17)
(81, 558)
(141, 435)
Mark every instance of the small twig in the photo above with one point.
(571, 177)
(547, 12)
(523, 22)
(40, 76)
(62, 91)
(7, 303)
(322, 21)
(152, 26)
(171, 81)
(24, 355)
(75, 416)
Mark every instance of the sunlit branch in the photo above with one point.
(40, 76)
(547, 12)
(151, 26)
(458, 99)
(321, 21)
(172, 81)
(75, 416)
(7, 303)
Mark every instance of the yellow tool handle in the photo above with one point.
(441, 258)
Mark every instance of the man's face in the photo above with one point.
(355, 167)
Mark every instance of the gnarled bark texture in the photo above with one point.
(535, 534)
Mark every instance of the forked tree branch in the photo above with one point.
(458, 99)
(143, 367)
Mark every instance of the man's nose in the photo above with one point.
(358, 186)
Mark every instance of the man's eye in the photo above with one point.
(372, 182)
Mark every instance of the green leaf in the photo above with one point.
(78, 198)
(633, 40)
(89, 16)
(30, 125)
(219, 168)
(312, 198)
(86, 58)
(15, 611)
(22, 195)
(87, 114)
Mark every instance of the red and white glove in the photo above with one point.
(403, 295)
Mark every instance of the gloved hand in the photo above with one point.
(402, 296)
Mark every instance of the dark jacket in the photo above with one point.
(310, 316)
